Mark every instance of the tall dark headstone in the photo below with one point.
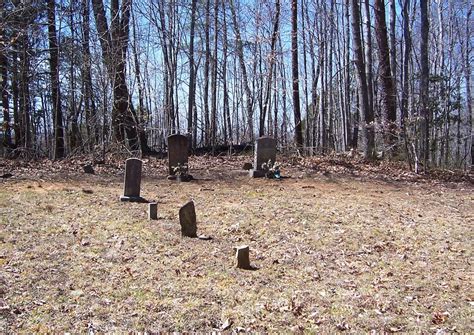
(187, 220)
(132, 180)
(265, 150)
(177, 151)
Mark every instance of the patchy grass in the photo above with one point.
(334, 254)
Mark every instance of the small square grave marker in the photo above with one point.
(242, 258)
(152, 211)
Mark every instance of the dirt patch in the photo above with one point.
(335, 252)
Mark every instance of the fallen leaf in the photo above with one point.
(226, 325)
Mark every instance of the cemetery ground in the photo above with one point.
(339, 246)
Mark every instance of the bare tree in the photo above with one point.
(228, 133)
(295, 70)
(271, 69)
(55, 91)
(114, 43)
(192, 75)
(87, 89)
(367, 113)
(240, 53)
(7, 141)
(213, 124)
(424, 83)
(389, 108)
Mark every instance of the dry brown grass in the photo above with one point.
(334, 254)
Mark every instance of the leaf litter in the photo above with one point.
(341, 246)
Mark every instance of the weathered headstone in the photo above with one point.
(132, 180)
(177, 152)
(152, 211)
(242, 258)
(265, 150)
(187, 220)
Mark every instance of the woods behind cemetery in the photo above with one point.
(391, 78)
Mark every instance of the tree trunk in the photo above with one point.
(206, 73)
(114, 43)
(55, 91)
(366, 113)
(7, 142)
(369, 57)
(468, 74)
(393, 42)
(424, 84)
(389, 108)
(266, 103)
(294, 67)
(213, 124)
(406, 62)
(16, 96)
(92, 126)
(240, 53)
(192, 80)
(227, 118)
(75, 136)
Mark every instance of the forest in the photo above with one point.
(236, 166)
(389, 79)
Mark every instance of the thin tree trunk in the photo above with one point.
(304, 13)
(405, 80)
(406, 62)
(389, 108)
(266, 103)
(424, 84)
(240, 53)
(55, 91)
(7, 141)
(467, 75)
(393, 42)
(295, 77)
(24, 108)
(192, 77)
(89, 105)
(206, 74)
(75, 138)
(227, 117)
(366, 113)
(140, 115)
(16, 96)
(369, 57)
(214, 80)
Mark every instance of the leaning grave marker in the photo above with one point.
(187, 220)
(132, 180)
(265, 150)
(177, 152)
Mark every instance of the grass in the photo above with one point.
(334, 255)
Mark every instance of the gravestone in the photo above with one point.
(242, 258)
(177, 151)
(152, 211)
(265, 150)
(187, 220)
(132, 180)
